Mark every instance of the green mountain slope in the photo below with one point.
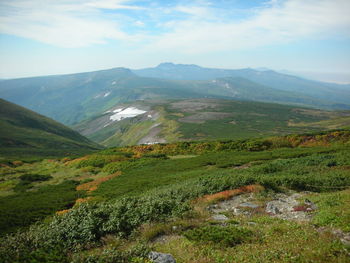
(205, 119)
(24, 132)
(73, 98)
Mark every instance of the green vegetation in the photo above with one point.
(25, 208)
(137, 194)
(334, 210)
(73, 98)
(209, 119)
(24, 134)
(219, 235)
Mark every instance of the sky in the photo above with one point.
(305, 37)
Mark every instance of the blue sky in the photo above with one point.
(41, 37)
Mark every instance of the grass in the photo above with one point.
(25, 208)
(154, 196)
(334, 209)
(185, 120)
(280, 241)
(24, 133)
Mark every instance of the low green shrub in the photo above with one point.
(227, 236)
(26, 181)
(137, 253)
(91, 169)
(25, 208)
(98, 160)
(35, 177)
(133, 163)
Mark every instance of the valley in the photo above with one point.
(174, 131)
(156, 165)
(205, 119)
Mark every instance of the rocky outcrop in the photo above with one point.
(284, 206)
(158, 257)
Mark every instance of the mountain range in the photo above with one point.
(73, 98)
(263, 76)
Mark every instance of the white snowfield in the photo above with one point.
(125, 113)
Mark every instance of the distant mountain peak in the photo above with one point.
(170, 65)
(166, 64)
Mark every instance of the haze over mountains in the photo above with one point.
(73, 98)
(263, 76)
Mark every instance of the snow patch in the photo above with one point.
(125, 113)
(149, 116)
(114, 82)
(106, 94)
(118, 110)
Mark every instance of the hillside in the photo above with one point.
(204, 119)
(26, 133)
(219, 201)
(336, 93)
(73, 98)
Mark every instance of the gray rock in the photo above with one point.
(272, 209)
(220, 217)
(310, 204)
(158, 257)
(249, 205)
(237, 211)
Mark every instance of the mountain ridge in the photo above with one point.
(73, 98)
(24, 132)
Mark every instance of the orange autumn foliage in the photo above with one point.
(224, 195)
(82, 200)
(62, 212)
(77, 202)
(92, 186)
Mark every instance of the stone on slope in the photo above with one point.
(158, 257)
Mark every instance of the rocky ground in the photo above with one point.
(290, 206)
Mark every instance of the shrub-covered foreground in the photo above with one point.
(25, 208)
(85, 225)
(67, 237)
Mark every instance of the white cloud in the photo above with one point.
(61, 23)
(204, 28)
(139, 23)
(112, 4)
(277, 22)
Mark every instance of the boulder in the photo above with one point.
(271, 208)
(249, 205)
(219, 217)
(158, 257)
(310, 204)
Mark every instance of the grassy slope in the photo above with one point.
(188, 120)
(24, 132)
(158, 190)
